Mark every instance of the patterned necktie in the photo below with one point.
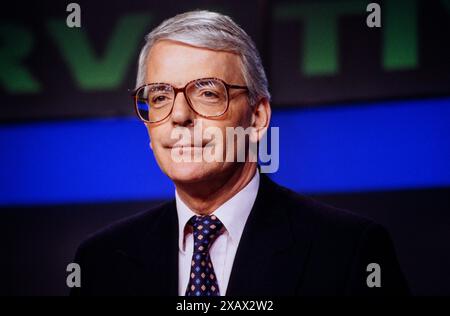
(202, 281)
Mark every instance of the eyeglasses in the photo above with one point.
(207, 97)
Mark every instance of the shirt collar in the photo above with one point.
(233, 213)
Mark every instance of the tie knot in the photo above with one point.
(205, 229)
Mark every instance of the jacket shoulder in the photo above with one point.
(305, 209)
(126, 231)
(343, 245)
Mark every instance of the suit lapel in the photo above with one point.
(269, 261)
(158, 254)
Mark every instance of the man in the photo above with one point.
(230, 230)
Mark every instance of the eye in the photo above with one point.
(209, 94)
(159, 99)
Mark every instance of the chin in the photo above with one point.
(191, 172)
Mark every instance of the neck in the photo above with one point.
(206, 196)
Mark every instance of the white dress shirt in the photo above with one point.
(233, 214)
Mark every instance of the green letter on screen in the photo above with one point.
(17, 43)
(107, 72)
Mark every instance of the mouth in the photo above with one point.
(184, 147)
(187, 146)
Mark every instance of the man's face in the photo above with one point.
(177, 64)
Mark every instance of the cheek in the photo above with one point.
(147, 126)
(240, 114)
(154, 135)
(149, 136)
(155, 132)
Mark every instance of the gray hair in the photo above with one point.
(214, 31)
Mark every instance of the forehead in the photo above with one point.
(177, 63)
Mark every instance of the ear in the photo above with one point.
(260, 119)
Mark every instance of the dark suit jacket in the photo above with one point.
(291, 245)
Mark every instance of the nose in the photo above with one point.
(182, 114)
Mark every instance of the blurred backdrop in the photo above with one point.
(364, 117)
